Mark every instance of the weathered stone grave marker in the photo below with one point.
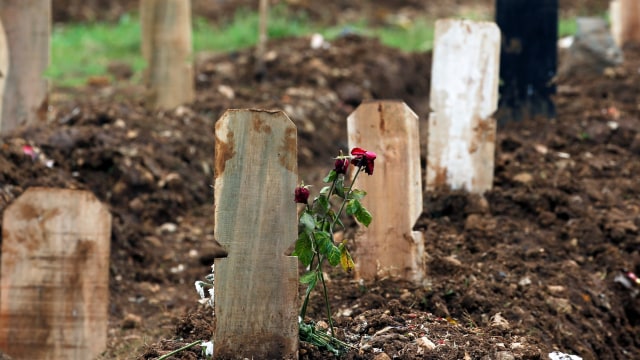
(256, 297)
(54, 285)
(27, 24)
(167, 49)
(464, 94)
(389, 246)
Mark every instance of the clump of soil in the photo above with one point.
(525, 270)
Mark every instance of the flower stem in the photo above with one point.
(165, 356)
(346, 196)
(326, 301)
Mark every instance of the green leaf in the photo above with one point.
(345, 259)
(310, 277)
(339, 186)
(363, 216)
(357, 194)
(307, 222)
(332, 176)
(353, 206)
(339, 222)
(303, 249)
(325, 190)
(323, 240)
(321, 205)
(333, 255)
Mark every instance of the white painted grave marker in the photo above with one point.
(464, 94)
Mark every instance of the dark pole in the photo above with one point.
(528, 58)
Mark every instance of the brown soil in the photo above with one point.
(529, 271)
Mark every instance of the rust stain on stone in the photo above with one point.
(289, 149)
(259, 124)
(224, 151)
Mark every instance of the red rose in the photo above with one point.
(301, 195)
(363, 158)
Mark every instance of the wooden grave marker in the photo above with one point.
(4, 66)
(27, 25)
(167, 49)
(256, 297)
(528, 59)
(389, 246)
(464, 95)
(54, 288)
(625, 21)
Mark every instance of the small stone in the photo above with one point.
(555, 288)
(425, 343)
(382, 356)
(523, 178)
(168, 228)
(131, 321)
(322, 325)
(504, 355)
(525, 281)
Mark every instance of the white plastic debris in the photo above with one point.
(557, 355)
(565, 42)
(207, 347)
(317, 42)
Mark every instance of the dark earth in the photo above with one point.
(527, 269)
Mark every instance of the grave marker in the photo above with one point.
(256, 297)
(464, 95)
(27, 25)
(54, 289)
(167, 49)
(389, 246)
(528, 59)
(625, 21)
(4, 66)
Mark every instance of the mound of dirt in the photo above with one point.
(525, 270)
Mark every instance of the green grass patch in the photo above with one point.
(83, 50)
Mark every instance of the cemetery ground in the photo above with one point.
(526, 269)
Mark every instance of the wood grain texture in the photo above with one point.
(167, 49)
(4, 67)
(625, 21)
(389, 246)
(54, 290)
(256, 297)
(27, 24)
(464, 95)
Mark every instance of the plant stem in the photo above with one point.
(165, 356)
(346, 196)
(326, 301)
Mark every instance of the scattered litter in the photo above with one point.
(35, 153)
(207, 348)
(557, 355)
(629, 280)
(318, 42)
